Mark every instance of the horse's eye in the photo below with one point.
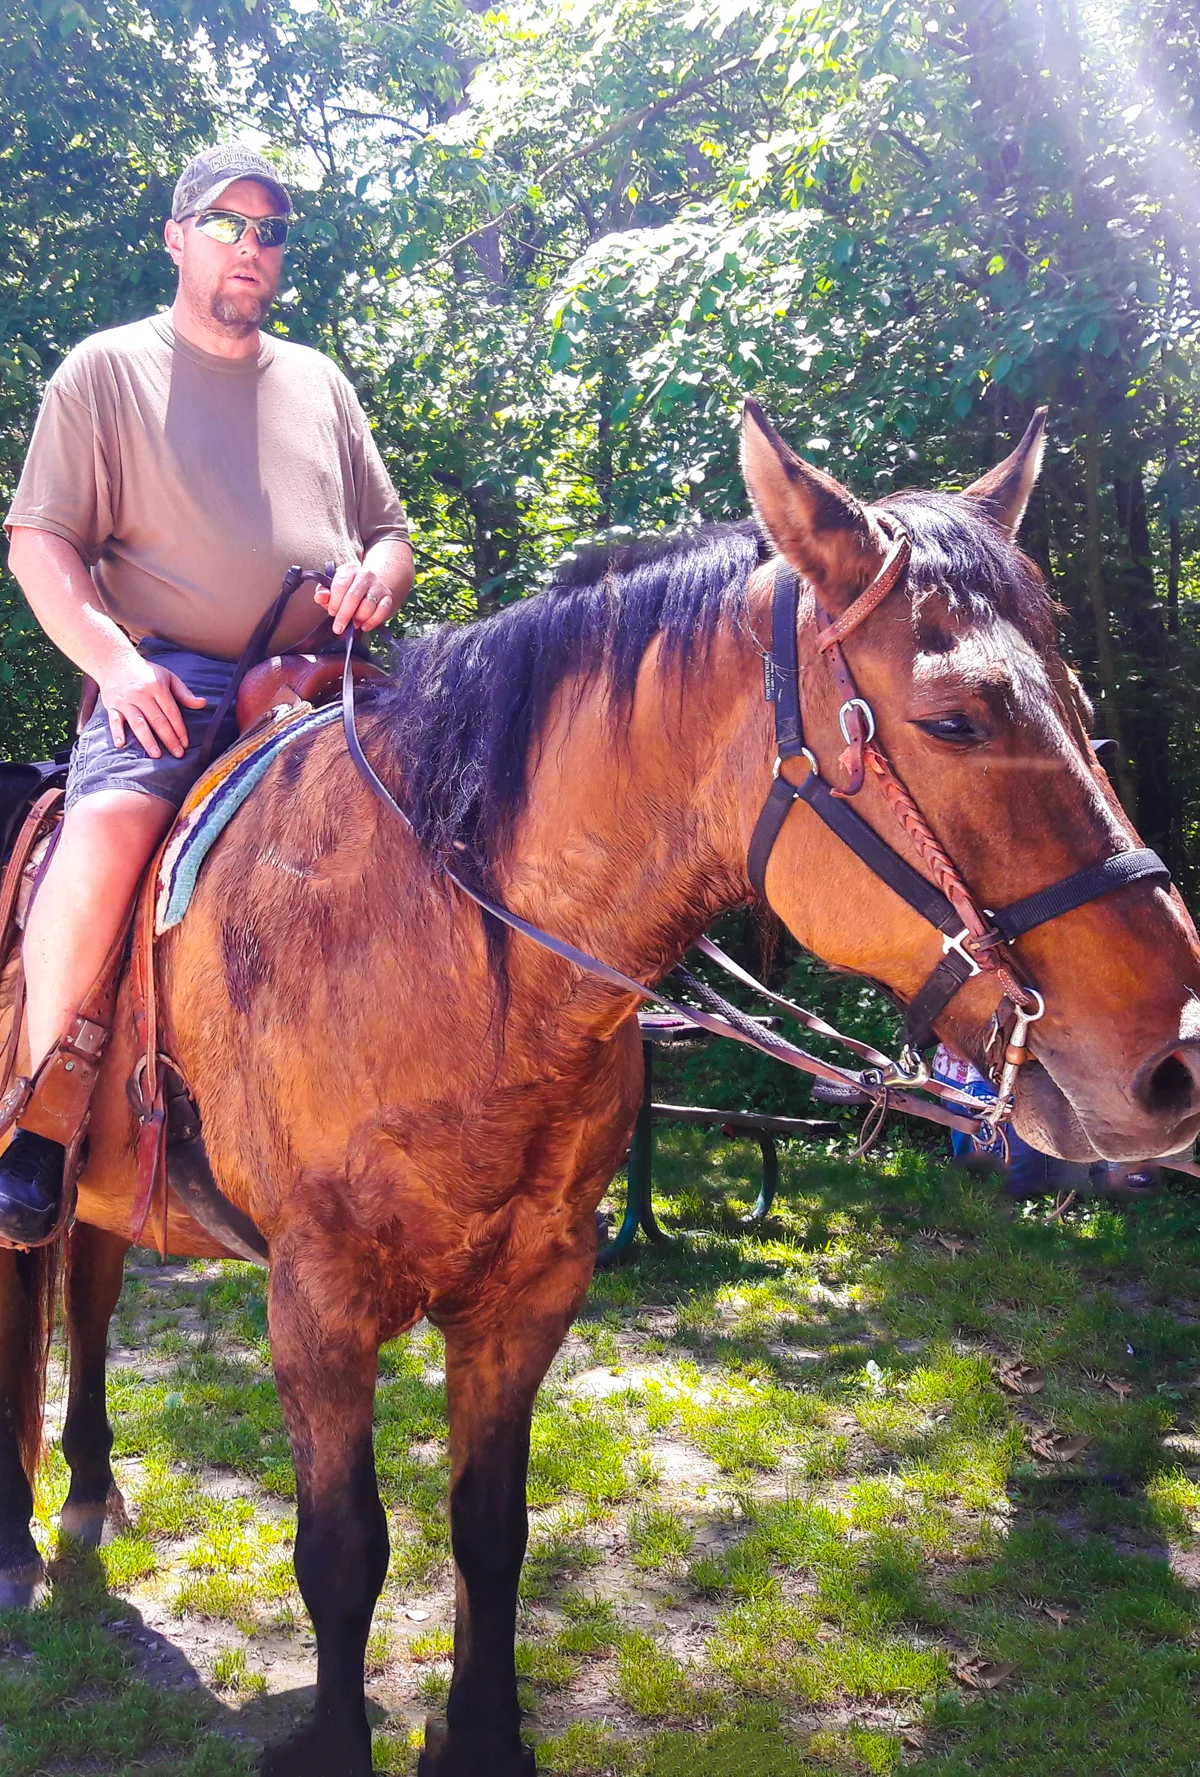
(956, 727)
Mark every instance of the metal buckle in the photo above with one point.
(804, 754)
(909, 1069)
(857, 703)
(957, 943)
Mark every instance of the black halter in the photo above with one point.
(958, 964)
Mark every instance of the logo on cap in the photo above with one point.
(208, 173)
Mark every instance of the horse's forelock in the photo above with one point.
(962, 554)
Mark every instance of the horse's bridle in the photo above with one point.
(973, 940)
(970, 941)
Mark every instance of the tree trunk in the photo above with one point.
(1108, 707)
(1148, 701)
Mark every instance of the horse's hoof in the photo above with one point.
(22, 1587)
(315, 1752)
(92, 1525)
(460, 1755)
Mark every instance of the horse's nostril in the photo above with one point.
(1171, 1087)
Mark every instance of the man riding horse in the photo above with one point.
(178, 466)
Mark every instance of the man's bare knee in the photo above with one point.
(116, 818)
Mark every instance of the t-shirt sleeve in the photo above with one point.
(381, 517)
(65, 485)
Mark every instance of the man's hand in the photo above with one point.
(145, 699)
(358, 596)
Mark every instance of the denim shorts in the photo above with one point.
(96, 764)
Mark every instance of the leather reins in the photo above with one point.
(725, 1020)
(970, 940)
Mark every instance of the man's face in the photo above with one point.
(233, 286)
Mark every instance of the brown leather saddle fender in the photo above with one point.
(295, 678)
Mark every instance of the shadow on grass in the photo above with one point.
(1079, 1605)
(83, 1679)
(900, 1527)
(84, 1685)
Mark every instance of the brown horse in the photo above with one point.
(421, 1118)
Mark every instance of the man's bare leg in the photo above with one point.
(106, 842)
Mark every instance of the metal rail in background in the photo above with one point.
(639, 1209)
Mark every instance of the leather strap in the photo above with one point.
(874, 1057)
(920, 894)
(42, 816)
(13, 1041)
(1019, 917)
(730, 1022)
(190, 1179)
(775, 811)
(895, 566)
(785, 664)
(852, 712)
(147, 1083)
(57, 1105)
(931, 999)
(801, 1014)
(256, 648)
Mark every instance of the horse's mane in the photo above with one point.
(466, 703)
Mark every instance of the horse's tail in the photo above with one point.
(36, 1275)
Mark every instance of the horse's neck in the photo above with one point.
(633, 837)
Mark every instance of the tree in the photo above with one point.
(554, 249)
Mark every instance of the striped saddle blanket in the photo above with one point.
(216, 797)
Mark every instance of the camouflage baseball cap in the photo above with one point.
(208, 174)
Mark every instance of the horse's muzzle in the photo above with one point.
(1157, 1112)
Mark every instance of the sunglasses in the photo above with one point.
(228, 227)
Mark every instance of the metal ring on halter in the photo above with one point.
(1032, 1017)
(856, 703)
(804, 754)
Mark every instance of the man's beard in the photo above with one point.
(240, 314)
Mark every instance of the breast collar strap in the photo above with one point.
(971, 941)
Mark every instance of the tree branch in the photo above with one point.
(446, 567)
(403, 123)
(633, 120)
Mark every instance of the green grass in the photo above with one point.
(786, 1518)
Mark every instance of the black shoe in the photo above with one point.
(31, 1182)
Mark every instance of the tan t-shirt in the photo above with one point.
(190, 484)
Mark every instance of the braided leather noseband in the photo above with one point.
(972, 941)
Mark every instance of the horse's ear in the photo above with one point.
(1003, 493)
(813, 521)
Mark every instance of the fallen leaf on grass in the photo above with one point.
(984, 1675)
(953, 1244)
(1057, 1446)
(1021, 1378)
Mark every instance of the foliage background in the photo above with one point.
(554, 246)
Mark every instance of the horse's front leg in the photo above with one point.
(494, 1365)
(324, 1345)
(94, 1508)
